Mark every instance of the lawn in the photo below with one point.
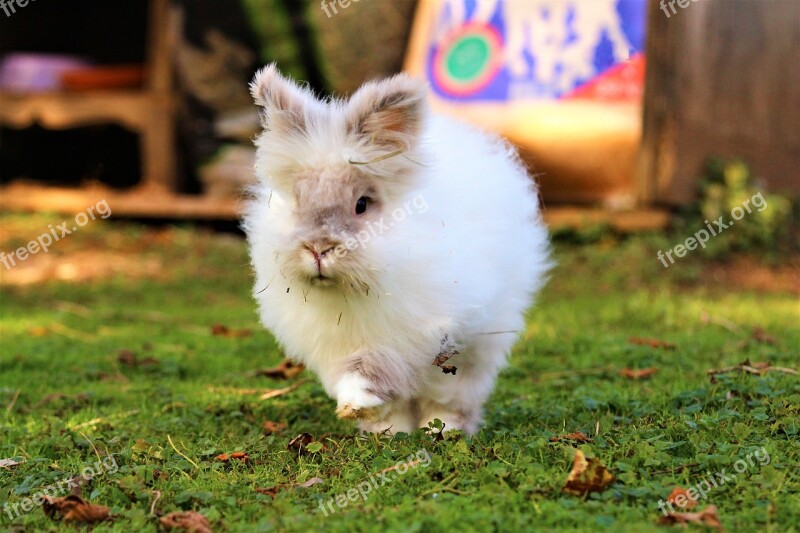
(143, 342)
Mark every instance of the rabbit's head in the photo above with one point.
(335, 168)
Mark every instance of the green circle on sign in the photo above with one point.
(468, 57)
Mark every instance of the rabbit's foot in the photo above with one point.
(347, 412)
(355, 400)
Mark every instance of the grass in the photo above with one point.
(66, 399)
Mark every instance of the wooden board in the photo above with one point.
(141, 203)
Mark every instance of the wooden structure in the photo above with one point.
(148, 111)
(723, 79)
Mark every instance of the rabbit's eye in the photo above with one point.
(361, 205)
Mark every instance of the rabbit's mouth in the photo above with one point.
(321, 280)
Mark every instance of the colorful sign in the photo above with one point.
(503, 50)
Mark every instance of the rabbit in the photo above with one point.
(395, 250)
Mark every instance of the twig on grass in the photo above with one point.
(91, 444)
(13, 401)
(280, 392)
(752, 368)
(155, 501)
(180, 453)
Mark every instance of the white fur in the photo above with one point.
(468, 267)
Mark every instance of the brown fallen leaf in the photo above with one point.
(128, 358)
(271, 427)
(300, 443)
(587, 475)
(186, 520)
(77, 483)
(218, 330)
(446, 351)
(271, 491)
(448, 369)
(38, 331)
(239, 456)
(73, 508)
(578, 436)
(760, 335)
(639, 373)
(653, 343)
(682, 495)
(707, 517)
(286, 370)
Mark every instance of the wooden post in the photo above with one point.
(723, 79)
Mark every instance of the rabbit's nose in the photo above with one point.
(319, 250)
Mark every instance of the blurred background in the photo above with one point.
(626, 111)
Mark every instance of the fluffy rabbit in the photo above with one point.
(385, 240)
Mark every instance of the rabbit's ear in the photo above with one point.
(389, 113)
(286, 105)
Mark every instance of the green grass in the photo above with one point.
(673, 429)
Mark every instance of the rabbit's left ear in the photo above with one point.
(287, 106)
(388, 114)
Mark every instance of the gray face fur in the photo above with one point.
(327, 225)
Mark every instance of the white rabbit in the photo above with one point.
(383, 236)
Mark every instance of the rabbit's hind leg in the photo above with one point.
(457, 400)
(398, 417)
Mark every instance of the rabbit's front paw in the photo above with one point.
(354, 401)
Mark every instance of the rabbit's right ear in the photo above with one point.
(286, 105)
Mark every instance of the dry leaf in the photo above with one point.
(311, 482)
(446, 351)
(38, 331)
(286, 370)
(707, 517)
(762, 336)
(75, 509)
(186, 520)
(578, 436)
(587, 475)
(683, 494)
(300, 443)
(239, 456)
(271, 427)
(757, 368)
(271, 491)
(218, 330)
(8, 463)
(280, 392)
(448, 369)
(653, 343)
(640, 373)
(128, 358)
